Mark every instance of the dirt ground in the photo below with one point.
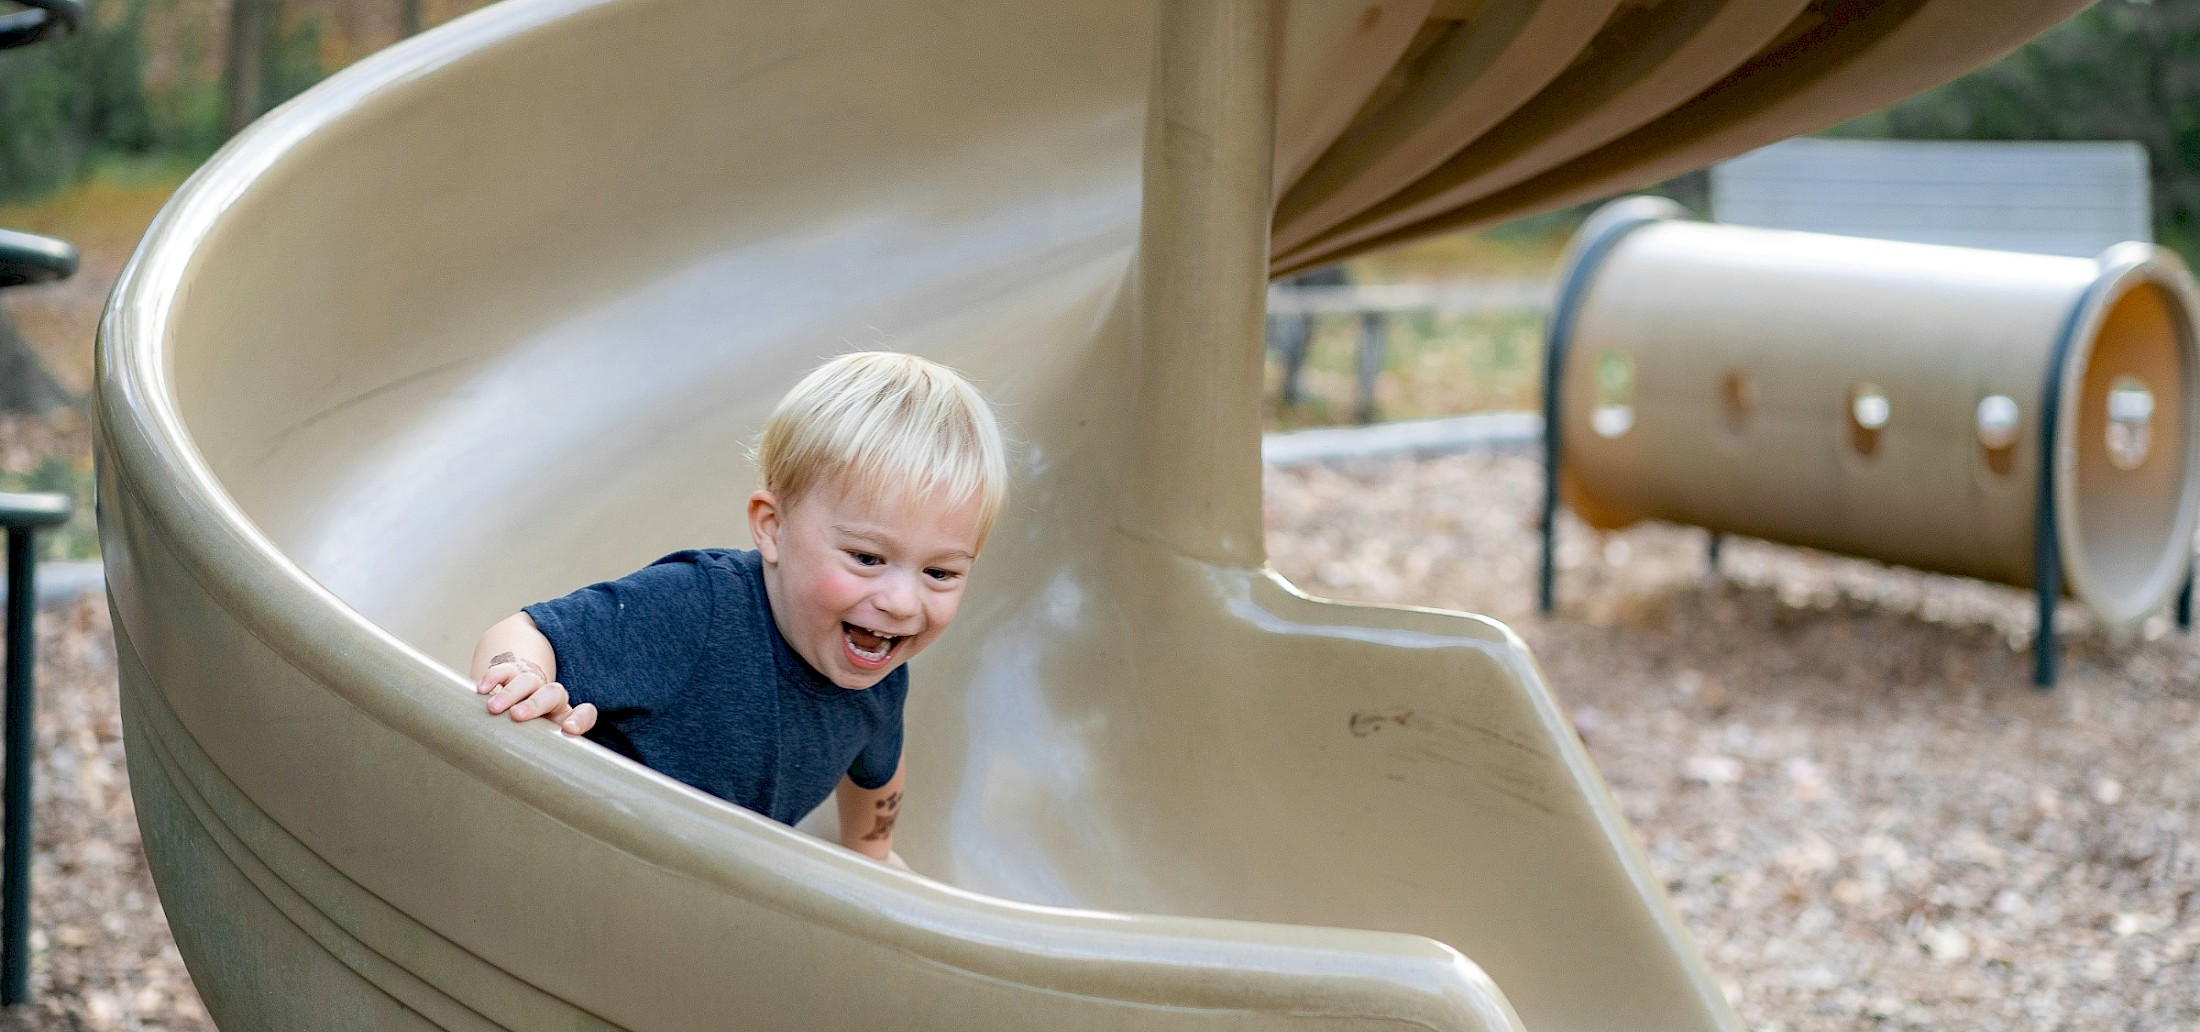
(1861, 808)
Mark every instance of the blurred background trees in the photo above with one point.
(2121, 70)
(97, 128)
(170, 79)
(164, 82)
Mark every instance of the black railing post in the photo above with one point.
(1367, 364)
(15, 885)
(24, 515)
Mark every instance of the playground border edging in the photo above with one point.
(1481, 431)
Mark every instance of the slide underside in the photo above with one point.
(495, 314)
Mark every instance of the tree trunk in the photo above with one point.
(26, 388)
(249, 22)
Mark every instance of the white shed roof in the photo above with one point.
(2049, 198)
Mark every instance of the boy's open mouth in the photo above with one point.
(868, 647)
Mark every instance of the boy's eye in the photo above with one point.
(866, 559)
(943, 576)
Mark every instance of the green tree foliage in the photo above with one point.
(293, 61)
(2120, 70)
(64, 100)
(67, 102)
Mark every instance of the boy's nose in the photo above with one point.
(897, 597)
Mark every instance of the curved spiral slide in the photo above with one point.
(493, 313)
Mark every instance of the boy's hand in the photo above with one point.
(521, 687)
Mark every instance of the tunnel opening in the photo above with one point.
(2131, 482)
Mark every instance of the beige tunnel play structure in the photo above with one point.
(492, 314)
(1887, 399)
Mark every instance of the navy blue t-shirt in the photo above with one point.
(690, 677)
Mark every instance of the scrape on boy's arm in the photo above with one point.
(868, 816)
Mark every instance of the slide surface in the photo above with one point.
(495, 313)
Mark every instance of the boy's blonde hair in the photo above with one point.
(890, 426)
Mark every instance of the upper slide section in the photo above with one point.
(1401, 118)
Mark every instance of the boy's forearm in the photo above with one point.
(868, 816)
(514, 639)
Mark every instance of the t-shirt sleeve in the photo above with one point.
(631, 643)
(875, 765)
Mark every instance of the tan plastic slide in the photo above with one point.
(493, 314)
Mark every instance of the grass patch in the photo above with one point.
(107, 211)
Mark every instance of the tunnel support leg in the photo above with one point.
(1554, 370)
(2184, 600)
(1598, 237)
(2046, 544)
(1546, 587)
(2043, 642)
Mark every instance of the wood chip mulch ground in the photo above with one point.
(1860, 806)
(101, 956)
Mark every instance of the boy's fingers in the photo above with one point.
(519, 687)
(499, 673)
(498, 676)
(526, 696)
(543, 702)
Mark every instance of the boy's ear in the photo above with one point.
(764, 524)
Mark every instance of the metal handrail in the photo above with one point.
(30, 258)
(43, 19)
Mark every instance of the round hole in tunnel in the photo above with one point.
(1999, 420)
(2131, 485)
(1614, 413)
(2130, 415)
(1868, 414)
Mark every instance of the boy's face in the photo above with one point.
(860, 585)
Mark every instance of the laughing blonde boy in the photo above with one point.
(775, 677)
